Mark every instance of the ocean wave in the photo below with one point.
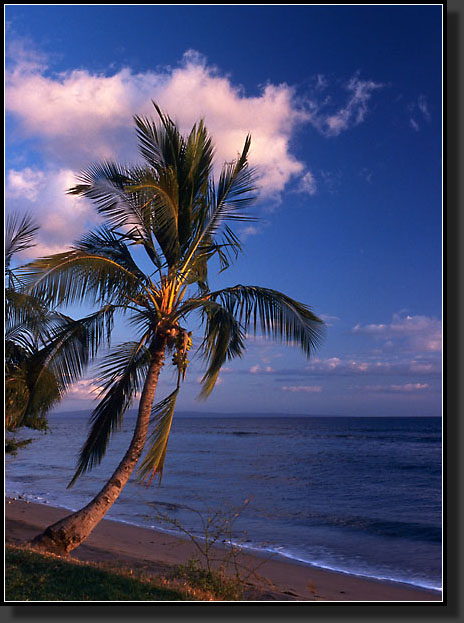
(370, 574)
(414, 531)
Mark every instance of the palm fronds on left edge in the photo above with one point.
(20, 234)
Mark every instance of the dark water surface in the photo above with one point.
(360, 495)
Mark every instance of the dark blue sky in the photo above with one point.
(344, 106)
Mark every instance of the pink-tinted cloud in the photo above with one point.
(302, 388)
(257, 369)
(24, 184)
(406, 388)
(61, 217)
(85, 389)
(77, 117)
(80, 115)
(343, 367)
(415, 333)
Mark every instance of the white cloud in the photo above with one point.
(219, 380)
(329, 320)
(345, 117)
(419, 111)
(308, 184)
(414, 124)
(257, 369)
(332, 180)
(84, 389)
(302, 388)
(80, 115)
(418, 366)
(407, 388)
(22, 51)
(334, 366)
(77, 117)
(25, 184)
(249, 230)
(321, 82)
(416, 333)
(423, 106)
(366, 174)
(62, 217)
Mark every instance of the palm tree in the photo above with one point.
(45, 351)
(173, 210)
(19, 328)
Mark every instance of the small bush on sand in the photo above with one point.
(220, 570)
(213, 583)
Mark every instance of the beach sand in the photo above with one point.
(155, 553)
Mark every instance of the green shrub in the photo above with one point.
(214, 582)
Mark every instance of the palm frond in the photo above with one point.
(195, 181)
(18, 335)
(233, 194)
(158, 191)
(105, 242)
(226, 251)
(153, 462)
(24, 310)
(106, 184)
(223, 338)
(28, 398)
(236, 183)
(122, 376)
(77, 275)
(189, 163)
(74, 343)
(158, 144)
(20, 233)
(49, 371)
(278, 315)
(163, 146)
(16, 397)
(103, 183)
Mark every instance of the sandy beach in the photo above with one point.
(155, 552)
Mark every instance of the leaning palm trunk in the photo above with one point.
(68, 533)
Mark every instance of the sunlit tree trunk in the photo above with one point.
(65, 535)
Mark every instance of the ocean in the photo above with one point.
(359, 495)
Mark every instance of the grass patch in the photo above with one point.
(41, 577)
(214, 583)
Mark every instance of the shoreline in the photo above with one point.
(250, 549)
(156, 551)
